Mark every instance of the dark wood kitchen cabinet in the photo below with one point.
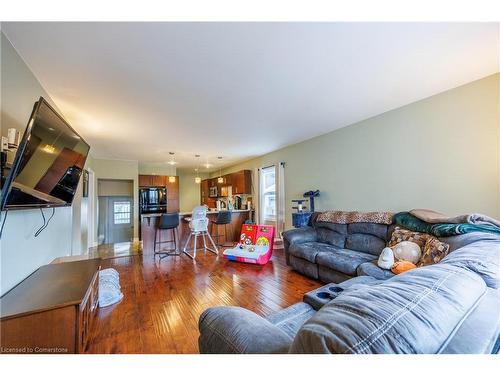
(204, 190)
(242, 182)
(172, 195)
(147, 180)
(52, 310)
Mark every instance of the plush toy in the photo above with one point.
(386, 259)
(402, 266)
(408, 251)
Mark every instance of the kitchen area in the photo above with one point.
(163, 194)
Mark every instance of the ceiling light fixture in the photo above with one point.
(207, 164)
(220, 180)
(172, 162)
(197, 179)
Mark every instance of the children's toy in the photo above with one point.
(255, 246)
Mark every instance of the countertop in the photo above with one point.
(190, 213)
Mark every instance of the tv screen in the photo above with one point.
(48, 163)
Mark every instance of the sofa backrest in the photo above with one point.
(331, 233)
(366, 237)
(369, 238)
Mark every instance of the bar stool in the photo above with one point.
(167, 221)
(199, 226)
(223, 218)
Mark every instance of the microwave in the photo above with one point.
(212, 192)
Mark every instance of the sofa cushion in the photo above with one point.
(373, 270)
(365, 243)
(366, 237)
(234, 330)
(343, 260)
(331, 233)
(481, 257)
(328, 275)
(309, 250)
(334, 227)
(478, 335)
(304, 267)
(298, 235)
(290, 320)
(416, 312)
(377, 230)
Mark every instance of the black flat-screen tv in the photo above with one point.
(48, 164)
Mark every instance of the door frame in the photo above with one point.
(91, 210)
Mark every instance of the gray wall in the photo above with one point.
(20, 252)
(440, 153)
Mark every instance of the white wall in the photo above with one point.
(162, 169)
(440, 153)
(20, 252)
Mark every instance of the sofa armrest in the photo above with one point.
(234, 330)
(296, 236)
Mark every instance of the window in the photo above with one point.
(121, 212)
(268, 194)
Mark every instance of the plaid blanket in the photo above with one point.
(348, 217)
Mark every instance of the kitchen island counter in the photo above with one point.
(149, 223)
(189, 213)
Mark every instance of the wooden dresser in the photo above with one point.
(52, 310)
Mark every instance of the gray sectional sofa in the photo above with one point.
(334, 252)
(450, 307)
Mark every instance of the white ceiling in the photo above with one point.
(139, 90)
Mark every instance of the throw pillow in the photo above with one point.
(434, 252)
(399, 235)
(407, 250)
(403, 266)
(386, 259)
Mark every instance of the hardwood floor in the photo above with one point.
(122, 249)
(164, 298)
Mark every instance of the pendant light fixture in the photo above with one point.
(197, 179)
(207, 165)
(172, 162)
(220, 180)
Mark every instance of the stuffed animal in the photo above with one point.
(408, 251)
(386, 259)
(402, 266)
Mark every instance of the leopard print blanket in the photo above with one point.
(347, 217)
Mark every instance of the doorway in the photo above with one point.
(116, 216)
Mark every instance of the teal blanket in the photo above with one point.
(413, 223)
